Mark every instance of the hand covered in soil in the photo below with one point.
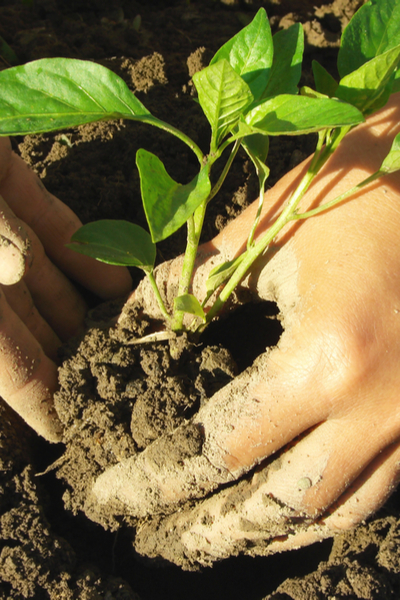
(39, 306)
(312, 429)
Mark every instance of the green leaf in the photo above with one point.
(168, 204)
(324, 82)
(7, 53)
(293, 115)
(223, 96)
(115, 243)
(373, 30)
(257, 147)
(286, 67)
(189, 304)
(310, 93)
(369, 87)
(392, 161)
(250, 53)
(218, 275)
(54, 93)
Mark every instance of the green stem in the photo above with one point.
(319, 159)
(158, 296)
(176, 132)
(194, 224)
(262, 178)
(225, 171)
(327, 205)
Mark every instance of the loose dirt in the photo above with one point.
(49, 548)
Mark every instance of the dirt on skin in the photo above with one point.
(49, 549)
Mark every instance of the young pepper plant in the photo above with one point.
(248, 93)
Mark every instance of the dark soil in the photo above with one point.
(49, 549)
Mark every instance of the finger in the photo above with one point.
(238, 519)
(237, 428)
(248, 519)
(54, 296)
(363, 498)
(14, 246)
(317, 469)
(20, 299)
(54, 224)
(28, 378)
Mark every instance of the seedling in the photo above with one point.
(248, 93)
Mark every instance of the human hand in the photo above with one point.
(325, 398)
(39, 306)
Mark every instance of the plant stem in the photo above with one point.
(327, 205)
(262, 178)
(319, 159)
(194, 225)
(225, 171)
(158, 297)
(176, 132)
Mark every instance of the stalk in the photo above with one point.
(158, 297)
(195, 224)
(319, 159)
(179, 134)
(225, 171)
(338, 199)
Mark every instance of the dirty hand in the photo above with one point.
(326, 398)
(39, 306)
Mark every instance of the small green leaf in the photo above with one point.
(168, 204)
(250, 53)
(286, 67)
(115, 243)
(189, 304)
(7, 53)
(222, 273)
(257, 147)
(369, 87)
(310, 93)
(54, 93)
(373, 30)
(324, 82)
(294, 115)
(392, 161)
(223, 96)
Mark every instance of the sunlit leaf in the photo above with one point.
(369, 87)
(250, 53)
(373, 30)
(54, 93)
(223, 96)
(293, 115)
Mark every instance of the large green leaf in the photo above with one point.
(54, 93)
(115, 243)
(286, 67)
(373, 30)
(369, 87)
(292, 115)
(250, 53)
(168, 204)
(223, 96)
